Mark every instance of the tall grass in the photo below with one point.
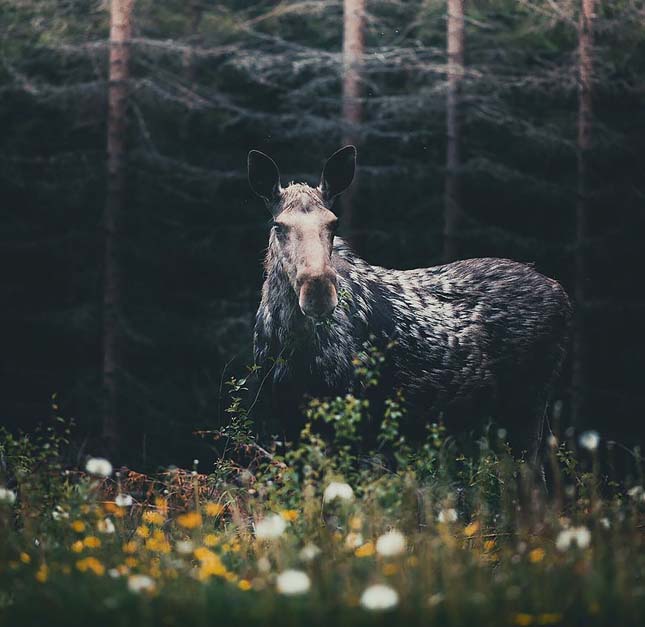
(449, 539)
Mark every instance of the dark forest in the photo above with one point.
(168, 456)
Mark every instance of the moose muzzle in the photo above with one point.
(318, 296)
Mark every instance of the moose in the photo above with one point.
(478, 337)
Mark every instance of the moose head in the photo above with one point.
(304, 226)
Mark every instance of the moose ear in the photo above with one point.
(338, 172)
(264, 176)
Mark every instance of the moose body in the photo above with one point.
(479, 337)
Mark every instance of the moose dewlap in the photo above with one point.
(483, 337)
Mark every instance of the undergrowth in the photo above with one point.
(322, 530)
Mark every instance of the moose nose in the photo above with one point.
(318, 296)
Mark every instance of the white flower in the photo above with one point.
(309, 552)
(98, 466)
(436, 599)
(123, 500)
(293, 582)
(7, 496)
(379, 597)
(636, 493)
(271, 527)
(353, 540)
(114, 573)
(580, 536)
(390, 543)
(140, 583)
(447, 515)
(105, 526)
(336, 490)
(59, 513)
(589, 440)
(184, 547)
(605, 522)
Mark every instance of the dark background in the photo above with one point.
(202, 93)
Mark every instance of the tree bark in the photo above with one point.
(452, 199)
(120, 35)
(584, 144)
(353, 49)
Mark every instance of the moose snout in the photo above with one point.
(318, 296)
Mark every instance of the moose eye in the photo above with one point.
(278, 228)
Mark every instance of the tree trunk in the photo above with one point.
(120, 34)
(452, 204)
(585, 77)
(353, 49)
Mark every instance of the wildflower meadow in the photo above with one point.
(322, 531)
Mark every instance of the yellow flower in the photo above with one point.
(153, 518)
(211, 539)
(130, 562)
(190, 520)
(211, 564)
(289, 514)
(489, 545)
(91, 564)
(522, 620)
(551, 618)
(129, 547)
(25, 558)
(536, 555)
(113, 509)
(162, 505)
(202, 553)
(78, 526)
(390, 569)
(143, 531)
(213, 509)
(244, 584)
(365, 550)
(92, 542)
(77, 546)
(42, 573)
(355, 523)
(471, 529)
(158, 543)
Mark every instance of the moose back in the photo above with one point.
(480, 337)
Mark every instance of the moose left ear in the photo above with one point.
(264, 176)
(338, 172)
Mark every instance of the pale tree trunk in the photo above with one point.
(120, 35)
(353, 49)
(585, 78)
(452, 200)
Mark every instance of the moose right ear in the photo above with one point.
(264, 176)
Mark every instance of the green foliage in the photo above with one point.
(481, 540)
